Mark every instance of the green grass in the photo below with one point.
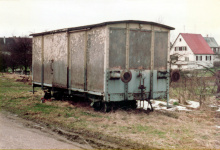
(149, 130)
(90, 114)
(46, 109)
(175, 103)
(141, 128)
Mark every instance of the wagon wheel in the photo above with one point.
(97, 106)
(107, 107)
(58, 95)
(133, 104)
(175, 75)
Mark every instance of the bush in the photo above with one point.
(175, 103)
(194, 85)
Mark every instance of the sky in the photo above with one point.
(23, 17)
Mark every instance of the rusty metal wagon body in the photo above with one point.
(106, 62)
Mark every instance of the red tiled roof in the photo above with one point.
(197, 43)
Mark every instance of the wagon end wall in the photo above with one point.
(37, 59)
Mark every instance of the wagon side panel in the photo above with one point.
(95, 60)
(160, 73)
(139, 47)
(117, 62)
(160, 50)
(48, 56)
(117, 48)
(59, 65)
(77, 49)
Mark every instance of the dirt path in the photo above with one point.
(15, 134)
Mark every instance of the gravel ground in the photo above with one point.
(16, 135)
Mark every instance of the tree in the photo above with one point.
(3, 60)
(5, 56)
(24, 52)
(20, 53)
(11, 57)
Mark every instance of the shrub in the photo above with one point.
(175, 103)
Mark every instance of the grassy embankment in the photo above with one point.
(134, 129)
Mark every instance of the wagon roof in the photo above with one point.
(102, 24)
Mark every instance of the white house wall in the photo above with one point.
(183, 54)
(207, 63)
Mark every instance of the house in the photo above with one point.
(214, 46)
(191, 52)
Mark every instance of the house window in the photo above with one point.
(198, 58)
(186, 58)
(180, 39)
(184, 48)
(206, 58)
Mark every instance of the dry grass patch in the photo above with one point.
(159, 129)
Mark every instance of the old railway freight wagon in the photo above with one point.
(120, 61)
